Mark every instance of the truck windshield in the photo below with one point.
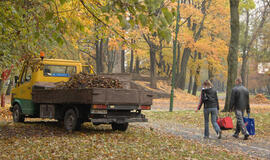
(58, 71)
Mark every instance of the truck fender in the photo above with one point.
(14, 102)
(77, 111)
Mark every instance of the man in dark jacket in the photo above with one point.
(239, 103)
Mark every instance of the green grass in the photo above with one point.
(49, 141)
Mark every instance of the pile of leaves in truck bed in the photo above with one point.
(83, 80)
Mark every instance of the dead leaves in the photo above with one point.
(40, 140)
(260, 99)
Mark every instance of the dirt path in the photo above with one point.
(258, 148)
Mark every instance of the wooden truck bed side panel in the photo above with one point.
(91, 96)
(62, 96)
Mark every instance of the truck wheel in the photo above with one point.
(70, 120)
(120, 126)
(79, 124)
(17, 114)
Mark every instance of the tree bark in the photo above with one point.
(153, 49)
(168, 70)
(137, 68)
(233, 49)
(97, 56)
(131, 58)
(181, 81)
(153, 83)
(101, 55)
(9, 87)
(197, 77)
(210, 72)
(161, 60)
(178, 58)
(244, 54)
(190, 82)
(122, 61)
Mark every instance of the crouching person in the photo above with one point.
(211, 106)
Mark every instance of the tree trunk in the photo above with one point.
(190, 82)
(153, 83)
(178, 58)
(9, 87)
(244, 54)
(268, 87)
(137, 69)
(177, 66)
(111, 60)
(232, 56)
(159, 64)
(210, 72)
(131, 59)
(168, 70)
(244, 69)
(123, 61)
(183, 69)
(197, 77)
(97, 56)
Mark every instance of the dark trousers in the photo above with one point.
(240, 125)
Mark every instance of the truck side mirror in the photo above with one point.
(16, 78)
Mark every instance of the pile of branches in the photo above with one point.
(85, 81)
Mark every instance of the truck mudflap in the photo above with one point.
(107, 120)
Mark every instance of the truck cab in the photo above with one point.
(33, 72)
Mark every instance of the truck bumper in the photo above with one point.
(119, 120)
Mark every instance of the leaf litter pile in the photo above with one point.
(260, 99)
(86, 81)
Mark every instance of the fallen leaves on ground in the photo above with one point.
(191, 118)
(260, 99)
(47, 140)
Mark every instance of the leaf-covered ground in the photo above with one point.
(168, 135)
(190, 125)
(47, 140)
(190, 118)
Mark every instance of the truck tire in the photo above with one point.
(17, 114)
(119, 126)
(70, 120)
(79, 124)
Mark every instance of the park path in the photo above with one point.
(256, 147)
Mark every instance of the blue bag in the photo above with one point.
(250, 124)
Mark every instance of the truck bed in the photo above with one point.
(91, 96)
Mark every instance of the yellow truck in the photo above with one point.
(34, 97)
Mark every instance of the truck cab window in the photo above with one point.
(58, 71)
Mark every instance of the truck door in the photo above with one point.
(23, 91)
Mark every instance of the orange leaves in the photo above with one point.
(187, 10)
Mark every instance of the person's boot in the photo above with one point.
(219, 135)
(235, 135)
(246, 137)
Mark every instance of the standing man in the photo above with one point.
(239, 103)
